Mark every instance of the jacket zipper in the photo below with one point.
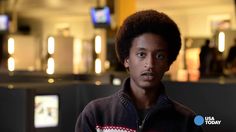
(138, 122)
(140, 125)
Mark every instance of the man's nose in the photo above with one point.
(149, 63)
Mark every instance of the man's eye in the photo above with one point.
(141, 54)
(160, 56)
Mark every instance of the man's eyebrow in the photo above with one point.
(141, 48)
(158, 50)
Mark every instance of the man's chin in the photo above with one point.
(148, 85)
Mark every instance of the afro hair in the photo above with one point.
(148, 21)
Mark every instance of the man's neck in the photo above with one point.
(144, 98)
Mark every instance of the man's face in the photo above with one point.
(147, 61)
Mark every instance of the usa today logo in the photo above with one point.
(208, 120)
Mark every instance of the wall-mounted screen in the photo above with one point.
(4, 23)
(46, 111)
(101, 17)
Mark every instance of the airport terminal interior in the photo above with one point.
(58, 55)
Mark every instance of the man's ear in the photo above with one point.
(126, 63)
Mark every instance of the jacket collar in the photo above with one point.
(163, 102)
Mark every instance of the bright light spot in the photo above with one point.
(51, 45)
(77, 55)
(116, 81)
(98, 83)
(50, 69)
(10, 86)
(98, 44)
(11, 47)
(11, 64)
(107, 64)
(50, 80)
(98, 66)
(221, 42)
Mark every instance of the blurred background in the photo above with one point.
(57, 55)
(77, 36)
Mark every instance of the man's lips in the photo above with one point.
(148, 75)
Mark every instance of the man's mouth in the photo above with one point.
(148, 76)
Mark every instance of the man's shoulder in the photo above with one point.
(102, 103)
(183, 109)
(104, 100)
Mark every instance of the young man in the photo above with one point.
(147, 43)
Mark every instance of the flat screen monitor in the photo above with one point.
(101, 17)
(46, 111)
(4, 23)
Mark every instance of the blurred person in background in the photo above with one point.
(231, 58)
(205, 58)
(211, 60)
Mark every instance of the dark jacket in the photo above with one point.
(117, 112)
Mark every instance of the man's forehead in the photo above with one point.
(151, 49)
